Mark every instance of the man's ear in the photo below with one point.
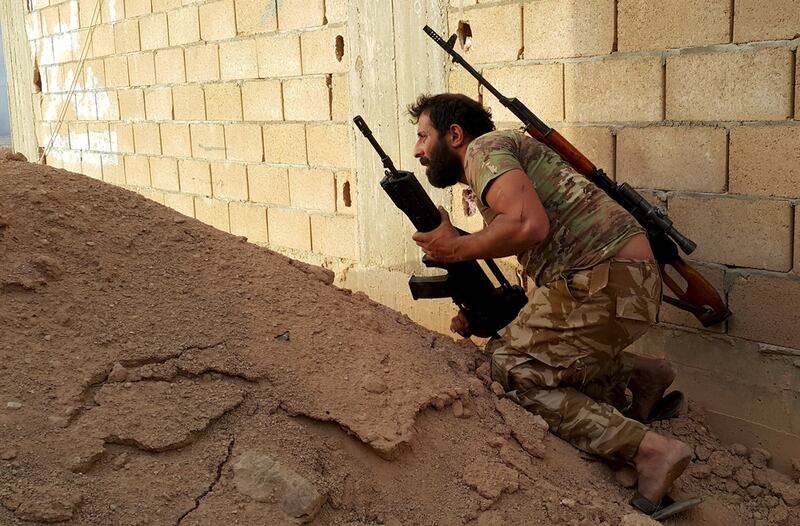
(456, 135)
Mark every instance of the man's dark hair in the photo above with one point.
(445, 109)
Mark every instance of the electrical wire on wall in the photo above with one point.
(71, 92)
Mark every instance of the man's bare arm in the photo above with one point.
(520, 224)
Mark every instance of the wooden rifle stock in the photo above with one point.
(698, 296)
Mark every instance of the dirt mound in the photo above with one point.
(158, 371)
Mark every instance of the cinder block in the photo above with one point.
(175, 139)
(550, 28)
(195, 176)
(181, 203)
(345, 193)
(238, 60)
(126, 36)
(747, 85)
(188, 103)
(208, 141)
(777, 20)
(66, 46)
(121, 137)
(796, 268)
(496, 33)
(78, 136)
(243, 142)
(170, 66)
(107, 105)
(50, 21)
(116, 72)
(765, 161)
(184, 26)
(164, 173)
(336, 11)
(329, 145)
(672, 158)
(312, 189)
(289, 228)
(142, 69)
(256, 16)
(113, 168)
(262, 101)
(249, 220)
(94, 74)
(459, 81)
(112, 11)
(229, 181)
(223, 102)
(212, 212)
(202, 63)
(540, 87)
(135, 8)
(166, 5)
(91, 165)
(325, 50)
(137, 170)
(99, 138)
(146, 138)
(739, 232)
(131, 104)
(297, 14)
(596, 143)
(103, 41)
(306, 99)
(278, 55)
(285, 143)
(614, 90)
(44, 51)
(85, 12)
(85, 106)
(153, 31)
(767, 309)
(268, 185)
(158, 104)
(334, 236)
(663, 24)
(217, 20)
(340, 98)
(676, 316)
(68, 16)
(71, 161)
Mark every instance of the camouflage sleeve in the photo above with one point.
(489, 156)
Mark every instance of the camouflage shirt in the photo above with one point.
(586, 226)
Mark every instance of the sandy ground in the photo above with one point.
(158, 371)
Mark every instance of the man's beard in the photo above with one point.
(443, 167)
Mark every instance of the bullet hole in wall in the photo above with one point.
(37, 80)
(346, 194)
(464, 33)
(339, 47)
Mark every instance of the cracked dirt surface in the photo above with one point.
(158, 371)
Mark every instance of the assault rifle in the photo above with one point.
(487, 308)
(698, 297)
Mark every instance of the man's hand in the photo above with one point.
(459, 324)
(440, 243)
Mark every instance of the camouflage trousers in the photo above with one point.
(562, 357)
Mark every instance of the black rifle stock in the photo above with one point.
(698, 296)
(486, 307)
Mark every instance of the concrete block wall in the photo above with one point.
(231, 111)
(696, 104)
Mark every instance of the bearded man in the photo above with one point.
(594, 288)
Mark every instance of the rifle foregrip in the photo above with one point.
(408, 195)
